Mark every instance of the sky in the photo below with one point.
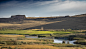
(41, 8)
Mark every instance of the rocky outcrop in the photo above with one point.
(18, 17)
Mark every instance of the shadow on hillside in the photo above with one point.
(72, 23)
(18, 21)
(69, 23)
(59, 25)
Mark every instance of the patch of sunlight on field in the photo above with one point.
(32, 32)
(47, 32)
(13, 31)
(40, 32)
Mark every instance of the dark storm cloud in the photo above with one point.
(23, 0)
(4, 1)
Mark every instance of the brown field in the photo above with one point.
(31, 46)
(41, 47)
(30, 40)
(11, 35)
(47, 23)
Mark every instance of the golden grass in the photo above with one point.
(26, 23)
(29, 40)
(59, 23)
(31, 46)
(11, 35)
(8, 24)
(41, 47)
(71, 48)
(34, 46)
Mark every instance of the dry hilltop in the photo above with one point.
(64, 22)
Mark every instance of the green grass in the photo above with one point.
(78, 38)
(32, 32)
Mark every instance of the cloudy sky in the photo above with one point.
(41, 8)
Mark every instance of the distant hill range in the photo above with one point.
(57, 22)
(82, 15)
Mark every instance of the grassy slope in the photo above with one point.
(41, 47)
(32, 32)
(59, 23)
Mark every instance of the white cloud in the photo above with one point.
(65, 6)
(44, 8)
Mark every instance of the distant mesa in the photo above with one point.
(18, 17)
(67, 16)
(21, 17)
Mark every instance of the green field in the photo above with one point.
(32, 32)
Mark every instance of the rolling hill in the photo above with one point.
(72, 22)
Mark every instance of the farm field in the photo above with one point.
(33, 32)
(20, 42)
(41, 47)
(13, 33)
(42, 24)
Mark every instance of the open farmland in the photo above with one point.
(14, 32)
(19, 42)
(32, 32)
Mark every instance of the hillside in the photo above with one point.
(72, 22)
